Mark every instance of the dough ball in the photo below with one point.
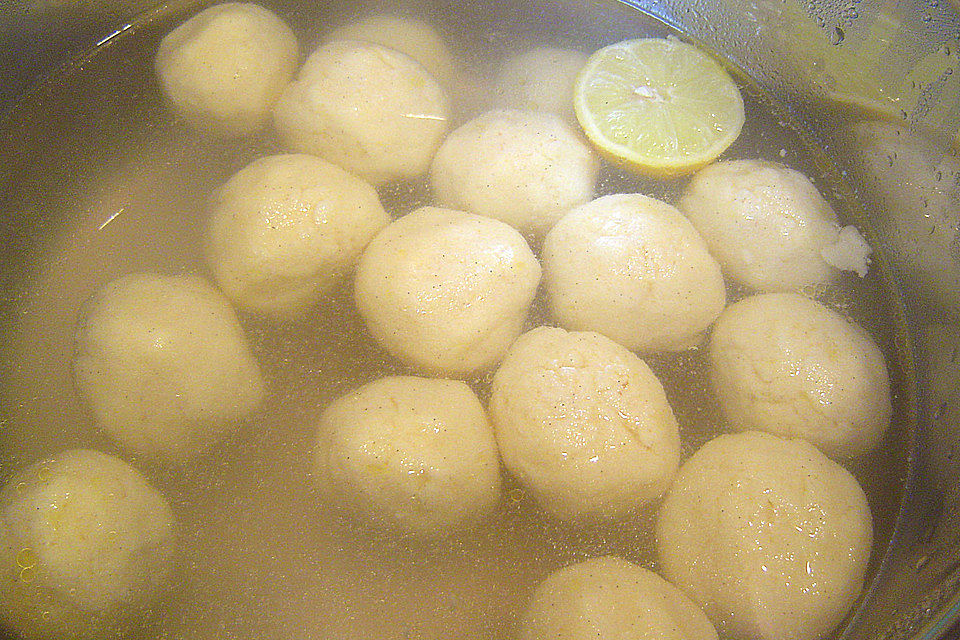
(224, 68)
(522, 167)
(163, 364)
(541, 79)
(765, 224)
(767, 535)
(412, 37)
(446, 291)
(285, 229)
(86, 546)
(372, 110)
(634, 269)
(412, 453)
(790, 366)
(583, 424)
(611, 598)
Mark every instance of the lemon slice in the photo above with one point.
(659, 107)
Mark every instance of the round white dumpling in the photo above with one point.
(446, 291)
(541, 79)
(163, 364)
(770, 537)
(411, 453)
(86, 546)
(583, 424)
(412, 37)
(634, 269)
(765, 224)
(522, 167)
(372, 110)
(285, 229)
(224, 68)
(790, 366)
(611, 598)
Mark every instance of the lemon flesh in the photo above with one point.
(658, 106)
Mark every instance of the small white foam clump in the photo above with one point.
(849, 253)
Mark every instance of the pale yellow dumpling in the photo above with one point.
(540, 79)
(611, 598)
(790, 366)
(525, 168)
(446, 291)
(285, 229)
(163, 364)
(369, 109)
(768, 226)
(583, 424)
(416, 39)
(410, 453)
(634, 269)
(768, 536)
(86, 545)
(224, 68)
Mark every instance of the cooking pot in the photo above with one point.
(876, 83)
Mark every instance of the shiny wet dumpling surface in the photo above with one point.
(785, 364)
(634, 269)
(285, 229)
(446, 291)
(767, 535)
(766, 224)
(413, 454)
(86, 546)
(609, 597)
(583, 424)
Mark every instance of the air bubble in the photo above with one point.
(836, 36)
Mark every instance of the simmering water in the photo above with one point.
(113, 184)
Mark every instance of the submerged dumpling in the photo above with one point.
(285, 229)
(86, 545)
(225, 67)
(769, 536)
(412, 37)
(766, 224)
(634, 269)
(583, 424)
(522, 167)
(785, 364)
(611, 598)
(446, 291)
(163, 364)
(371, 110)
(411, 453)
(541, 79)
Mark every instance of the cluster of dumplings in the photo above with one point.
(761, 533)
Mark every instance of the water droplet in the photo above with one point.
(836, 36)
(27, 574)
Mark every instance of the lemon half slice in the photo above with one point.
(658, 106)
